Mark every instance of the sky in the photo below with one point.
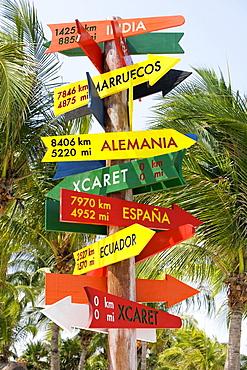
(214, 37)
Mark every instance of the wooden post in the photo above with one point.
(121, 275)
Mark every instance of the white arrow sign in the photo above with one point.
(67, 315)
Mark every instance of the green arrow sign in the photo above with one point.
(144, 176)
(148, 43)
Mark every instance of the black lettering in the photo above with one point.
(137, 72)
(133, 239)
(146, 69)
(158, 66)
(132, 73)
(121, 312)
(118, 79)
(127, 77)
(104, 85)
(144, 314)
(128, 308)
(111, 80)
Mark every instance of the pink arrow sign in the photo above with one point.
(109, 311)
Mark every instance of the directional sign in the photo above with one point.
(52, 222)
(165, 84)
(75, 95)
(109, 311)
(164, 240)
(169, 290)
(72, 168)
(114, 145)
(124, 244)
(64, 34)
(99, 210)
(89, 46)
(166, 168)
(67, 315)
(149, 43)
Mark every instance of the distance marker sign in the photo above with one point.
(114, 145)
(124, 244)
(64, 35)
(96, 209)
(75, 95)
(138, 175)
(109, 311)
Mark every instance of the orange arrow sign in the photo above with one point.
(64, 34)
(171, 290)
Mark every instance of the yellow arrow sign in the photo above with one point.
(114, 145)
(75, 95)
(124, 244)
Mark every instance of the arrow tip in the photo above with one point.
(162, 65)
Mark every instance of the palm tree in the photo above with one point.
(27, 78)
(191, 349)
(215, 170)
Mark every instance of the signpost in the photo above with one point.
(111, 298)
(124, 244)
(75, 95)
(114, 145)
(67, 315)
(139, 175)
(99, 210)
(169, 290)
(64, 34)
(110, 311)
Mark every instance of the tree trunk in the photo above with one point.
(233, 350)
(82, 358)
(144, 356)
(121, 275)
(55, 357)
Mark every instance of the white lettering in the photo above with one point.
(140, 25)
(96, 183)
(76, 186)
(82, 185)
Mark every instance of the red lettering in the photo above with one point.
(105, 146)
(145, 143)
(133, 145)
(172, 142)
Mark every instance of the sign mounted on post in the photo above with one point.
(165, 84)
(169, 290)
(124, 244)
(64, 34)
(138, 175)
(67, 314)
(110, 311)
(149, 43)
(114, 145)
(96, 209)
(75, 95)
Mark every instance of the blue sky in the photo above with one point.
(214, 37)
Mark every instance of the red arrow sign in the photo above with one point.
(89, 46)
(87, 208)
(171, 290)
(164, 240)
(109, 311)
